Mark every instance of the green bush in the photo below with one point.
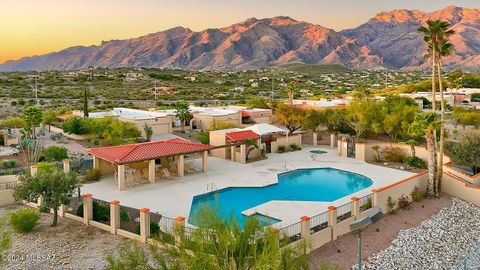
(281, 149)
(124, 215)
(404, 202)
(415, 162)
(6, 164)
(393, 154)
(93, 175)
(368, 204)
(294, 147)
(24, 220)
(154, 228)
(203, 137)
(55, 153)
(391, 205)
(100, 212)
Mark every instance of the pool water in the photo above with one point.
(323, 184)
(318, 152)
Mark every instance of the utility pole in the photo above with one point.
(155, 88)
(36, 88)
(273, 86)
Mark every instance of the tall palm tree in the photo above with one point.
(436, 36)
(444, 49)
(425, 124)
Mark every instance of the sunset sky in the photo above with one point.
(34, 27)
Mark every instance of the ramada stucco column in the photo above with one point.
(243, 154)
(96, 163)
(205, 161)
(232, 152)
(151, 171)
(181, 165)
(121, 177)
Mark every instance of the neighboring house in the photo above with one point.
(161, 122)
(321, 104)
(204, 117)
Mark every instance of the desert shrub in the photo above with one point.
(294, 147)
(154, 228)
(248, 121)
(124, 215)
(24, 220)
(393, 154)
(281, 149)
(368, 204)
(416, 194)
(55, 153)
(415, 162)
(404, 202)
(93, 175)
(203, 137)
(56, 136)
(391, 205)
(100, 212)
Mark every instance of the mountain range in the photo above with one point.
(390, 40)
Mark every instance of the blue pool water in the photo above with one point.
(318, 152)
(324, 184)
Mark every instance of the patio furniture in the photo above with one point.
(166, 173)
(191, 167)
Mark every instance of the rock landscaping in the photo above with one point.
(440, 242)
(70, 245)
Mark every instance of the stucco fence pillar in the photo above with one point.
(66, 166)
(333, 140)
(355, 207)
(315, 139)
(305, 231)
(87, 208)
(179, 229)
(332, 220)
(144, 224)
(114, 216)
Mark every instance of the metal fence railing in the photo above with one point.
(167, 225)
(75, 207)
(318, 222)
(130, 219)
(101, 211)
(344, 211)
(9, 185)
(292, 232)
(366, 202)
(471, 261)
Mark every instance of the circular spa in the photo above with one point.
(323, 185)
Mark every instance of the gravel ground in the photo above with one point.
(438, 243)
(379, 236)
(70, 245)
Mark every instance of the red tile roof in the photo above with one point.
(145, 151)
(240, 136)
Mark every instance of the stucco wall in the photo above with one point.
(106, 168)
(457, 187)
(364, 151)
(160, 125)
(218, 139)
(403, 187)
(294, 139)
(205, 121)
(320, 238)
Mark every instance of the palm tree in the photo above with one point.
(444, 49)
(436, 36)
(426, 124)
(183, 113)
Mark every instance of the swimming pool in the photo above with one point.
(318, 152)
(322, 184)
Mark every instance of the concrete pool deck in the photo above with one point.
(173, 198)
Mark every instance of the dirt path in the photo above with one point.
(70, 245)
(379, 236)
